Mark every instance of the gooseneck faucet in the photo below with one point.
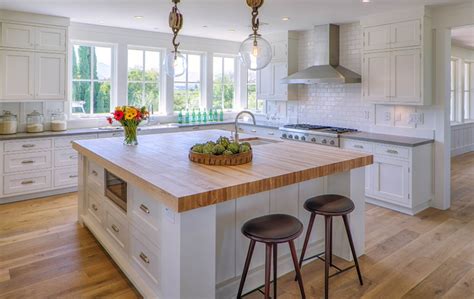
(236, 135)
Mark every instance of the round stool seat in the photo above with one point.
(275, 228)
(330, 205)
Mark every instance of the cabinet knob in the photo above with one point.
(115, 228)
(94, 172)
(144, 209)
(94, 207)
(144, 258)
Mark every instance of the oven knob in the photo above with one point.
(297, 137)
(284, 136)
(313, 139)
(290, 136)
(332, 142)
(303, 138)
(324, 141)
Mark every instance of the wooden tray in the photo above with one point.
(237, 159)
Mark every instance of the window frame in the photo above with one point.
(202, 76)
(113, 78)
(247, 84)
(235, 81)
(162, 96)
(467, 89)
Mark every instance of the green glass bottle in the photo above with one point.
(204, 116)
(221, 115)
(211, 115)
(199, 116)
(216, 115)
(180, 117)
(186, 117)
(193, 116)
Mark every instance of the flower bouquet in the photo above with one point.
(129, 117)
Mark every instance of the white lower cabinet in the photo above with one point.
(66, 177)
(16, 184)
(401, 178)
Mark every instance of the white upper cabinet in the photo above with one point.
(396, 59)
(18, 36)
(50, 76)
(17, 75)
(405, 34)
(50, 39)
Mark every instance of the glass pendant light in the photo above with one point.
(175, 63)
(255, 52)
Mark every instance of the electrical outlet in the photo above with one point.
(366, 114)
(398, 116)
(169, 214)
(388, 116)
(416, 118)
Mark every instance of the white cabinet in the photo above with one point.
(50, 76)
(17, 75)
(376, 74)
(265, 81)
(396, 63)
(269, 84)
(400, 178)
(50, 39)
(18, 36)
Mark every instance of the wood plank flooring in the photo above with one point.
(45, 254)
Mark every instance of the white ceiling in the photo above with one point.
(225, 19)
(463, 37)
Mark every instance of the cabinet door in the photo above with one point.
(280, 51)
(18, 36)
(391, 181)
(377, 37)
(406, 76)
(376, 77)
(405, 34)
(16, 75)
(50, 39)
(50, 76)
(265, 80)
(281, 90)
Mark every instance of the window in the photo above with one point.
(91, 79)
(467, 89)
(144, 78)
(187, 88)
(252, 102)
(453, 89)
(224, 82)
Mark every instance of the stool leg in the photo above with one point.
(275, 273)
(246, 268)
(354, 255)
(330, 242)
(297, 268)
(327, 254)
(268, 266)
(306, 240)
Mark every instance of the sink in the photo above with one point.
(255, 141)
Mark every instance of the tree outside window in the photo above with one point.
(187, 87)
(144, 78)
(252, 102)
(91, 79)
(224, 82)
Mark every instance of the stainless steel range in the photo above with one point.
(324, 135)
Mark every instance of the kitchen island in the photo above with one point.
(178, 235)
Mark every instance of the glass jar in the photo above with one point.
(58, 122)
(34, 122)
(8, 123)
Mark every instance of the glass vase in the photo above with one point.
(130, 135)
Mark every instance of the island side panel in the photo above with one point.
(81, 187)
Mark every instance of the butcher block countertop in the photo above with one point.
(160, 165)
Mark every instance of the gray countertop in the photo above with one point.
(389, 139)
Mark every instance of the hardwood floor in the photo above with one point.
(45, 254)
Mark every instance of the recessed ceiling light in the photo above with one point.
(138, 17)
(205, 26)
(232, 30)
(365, 1)
(285, 19)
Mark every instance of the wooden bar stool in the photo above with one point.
(330, 205)
(272, 230)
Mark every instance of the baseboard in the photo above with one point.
(462, 150)
(36, 195)
(409, 211)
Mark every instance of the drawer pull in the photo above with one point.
(253, 131)
(27, 162)
(144, 258)
(359, 146)
(27, 182)
(392, 152)
(94, 173)
(72, 176)
(94, 207)
(28, 145)
(271, 133)
(115, 228)
(72, 157)
(144, 209)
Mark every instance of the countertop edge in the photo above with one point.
(408, 144)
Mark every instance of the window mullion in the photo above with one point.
(91, 108)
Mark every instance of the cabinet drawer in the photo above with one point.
(67, 141)
(26, 182)
(65, 157)
(26, 161)
(65, 177)
(27, 145)
(146, 213)
(95, 174)
(145, 257)
(95, 205)
(392, 151)
(116, 225)
(359, 146)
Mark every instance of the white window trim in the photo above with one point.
(459, 111)
(202, 82)
(246, 83)
(113, 79)
(236, 86)
(162, 100)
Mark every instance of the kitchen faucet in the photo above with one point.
(236, 135)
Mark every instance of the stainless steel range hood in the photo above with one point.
(326, 54)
